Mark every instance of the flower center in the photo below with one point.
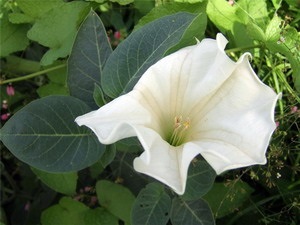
(180, 128)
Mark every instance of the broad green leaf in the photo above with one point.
(222, 14)
(99, 216)
(253, 10)
(98, 1)
(12, 37)
(107, 157)
(67, 212)
(122, 2)
(98, 96)
(89, 54)
(200, 180)
(64, 183)
(117, 199)
(143, 7)
(35, 9)
(226, 198)
(152, 206)
(169, 9)
(191, 212)
(193, 33)
(273, 29)
(255, 32)
(122, 168)
(44, 135)
(18, 18)
(190, 1)
(57, 83)
(20, 65)
(52, 88)
(57, 30)
(140, 50)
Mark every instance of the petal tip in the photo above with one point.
(221, 41)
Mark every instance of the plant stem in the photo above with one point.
(259, 203)
(26, 77)
(242, 48)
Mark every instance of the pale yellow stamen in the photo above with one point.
(179, 130)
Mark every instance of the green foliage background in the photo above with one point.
(77, 49)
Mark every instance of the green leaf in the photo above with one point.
(89, 54)
(98, 96)
(57, 30)
(194, 31)
(71, 212)
(222, 14)
(191, 212)
(35, 9)
(273, 29)
(107, 157)
(255, 32)
(57, 83)
(117, 199)
(122, 167)
(99, 216)
(44, 135)
(67, 212)
(19, 65)
(152, 206)
(52, 88)
(226, 198)
(18, 18)
(169, 9)
(122, 2)
(64, 183)
(190, 1)
(253, 10)
(140, 50)
(200, 180)
(12, 37)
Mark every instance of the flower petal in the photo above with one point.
(165, 163)
(115, 120)
(235, 126)
(179, 82)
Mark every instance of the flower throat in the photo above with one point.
(180, 128)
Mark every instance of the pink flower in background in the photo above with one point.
(10, 90)
(117, 35)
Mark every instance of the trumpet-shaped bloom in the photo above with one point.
(194, 101)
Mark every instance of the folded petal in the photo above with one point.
(117, 119)
(235, 125)
(164, 162)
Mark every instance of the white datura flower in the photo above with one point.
(194, 101)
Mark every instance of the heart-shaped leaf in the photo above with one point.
(44, 135)
(115, 198)
(152, 206)
(90, 51)
(200, 179)
(191, 212)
